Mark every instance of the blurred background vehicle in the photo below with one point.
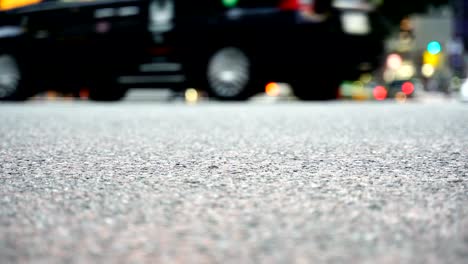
(228, 48)
(68, 45)
(313, 45)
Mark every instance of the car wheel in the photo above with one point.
(107, 90)
(316, 90)
(229, 74)
(11, 81)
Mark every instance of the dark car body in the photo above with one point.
(73, 44)
(66, 45)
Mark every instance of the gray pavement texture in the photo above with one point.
(234, 183)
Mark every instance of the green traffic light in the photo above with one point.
(230, 3)
(434, 47)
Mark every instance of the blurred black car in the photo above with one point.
(230, 48)
(71, 44)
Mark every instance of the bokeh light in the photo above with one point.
(191, 95)
(84, 93)
(394, 61)
(230, 3)
(434, 47)
(407, 88)
(358, 91)
(432, 59)
(366, 78)
(464, 91)
(406, 71)
(427, 70)
(10, 4)
(380, 93)
(389, 76)
(401, 97)
(272, 89)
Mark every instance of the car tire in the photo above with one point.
(230, 74)
(107, 90)
(316, 90)
(12, 80)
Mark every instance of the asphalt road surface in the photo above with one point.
(234, 183)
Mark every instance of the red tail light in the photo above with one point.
(289, 5)
(295, 5)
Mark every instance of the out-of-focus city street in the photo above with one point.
(233, 131)
(153, 182)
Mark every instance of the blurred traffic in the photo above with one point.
(232, 49)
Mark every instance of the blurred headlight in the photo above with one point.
(355, 23)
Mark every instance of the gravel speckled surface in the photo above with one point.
(234, 183)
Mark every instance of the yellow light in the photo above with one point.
(272, 89)
(400, 97)
(432, 59)
(10, 4)
(191, 95)
(406, 71)
(358, 91)
(427, 70)
(358, 85)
